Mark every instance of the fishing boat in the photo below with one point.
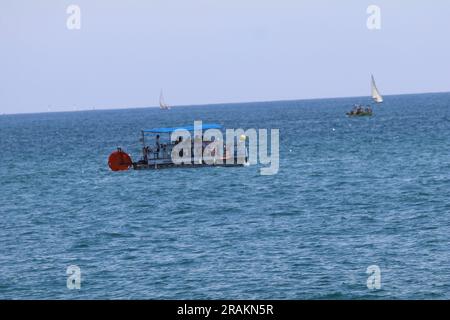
(360, 111)
(162, 104)
(157, 152)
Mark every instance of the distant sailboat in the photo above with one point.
(376, 96)
(359, 110)
(162, 104)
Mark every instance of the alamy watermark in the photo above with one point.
(374, 19)
(374, 279)
(243, 147)
(73, 277)
(73, 21)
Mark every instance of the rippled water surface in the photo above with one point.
(350, 193)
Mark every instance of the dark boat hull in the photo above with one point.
(144, 166)
(365, 114)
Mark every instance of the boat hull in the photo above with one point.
(156, 166)
(360, 115)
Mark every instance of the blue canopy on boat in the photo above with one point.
(205, 126)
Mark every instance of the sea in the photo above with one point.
(359, 208)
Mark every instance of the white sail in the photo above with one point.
(376, 96)
(162, 103)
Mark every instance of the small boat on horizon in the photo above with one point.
(359, 110)
(162, 104)
(376, 96)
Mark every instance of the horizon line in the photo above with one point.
(218, 103)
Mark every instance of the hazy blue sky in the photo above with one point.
(212, 51)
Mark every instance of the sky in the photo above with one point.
(215, 51)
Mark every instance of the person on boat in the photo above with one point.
(158, 146)
(145, 154)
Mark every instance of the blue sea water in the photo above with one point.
(350, 193)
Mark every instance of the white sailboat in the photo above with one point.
(162, 104)
(376, 96)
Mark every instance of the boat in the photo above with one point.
(362, 114)
(157, 151)
(376, 96)
(162, 104)
(360, 111)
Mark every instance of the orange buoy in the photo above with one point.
(119, 160)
